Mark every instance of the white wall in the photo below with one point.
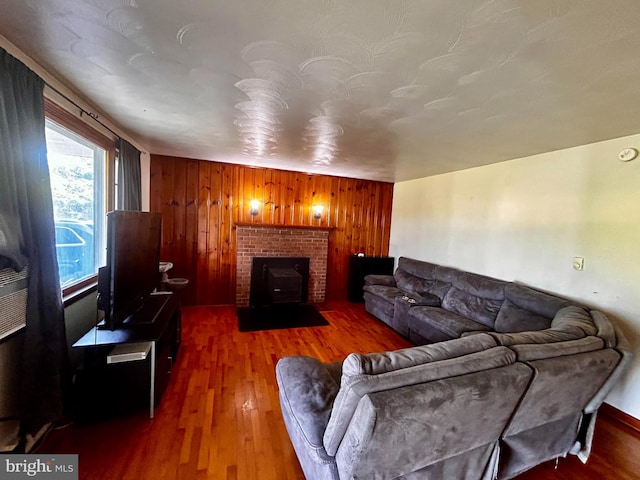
(524, 220)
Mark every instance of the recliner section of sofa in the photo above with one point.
(468, 408)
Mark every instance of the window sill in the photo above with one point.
(79, 293)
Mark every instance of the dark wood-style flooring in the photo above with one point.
(220, 416)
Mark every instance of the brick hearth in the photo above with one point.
(270, 241)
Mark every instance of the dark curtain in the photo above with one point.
(27, 235)
(129, 195)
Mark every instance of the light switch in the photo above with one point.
(578, 263)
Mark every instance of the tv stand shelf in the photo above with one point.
(104, 386)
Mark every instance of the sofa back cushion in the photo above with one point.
(446, 430)
(408, 282)
(539, 351)
(476, 297)
(355, 386)
(417, 268)
(376, 363)
(526, 309)
(511, 318)
(569, 323)
(547, 421)
(562, 385)
(574, 318)
(416, 276)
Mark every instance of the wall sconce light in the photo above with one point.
(255, 205)
(317, 211)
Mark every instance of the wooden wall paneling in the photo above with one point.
(365, 217)
(340, 236)
(227, 285)
(331, 221)
(214, 258)
(288, 198)
(298, 217)
(237, 193)
(306, 200)
(371, 221)
(201, 202)
(319, 185)
(306, 214)
(347, 219)
(179, 211)
(287, 206)
(371, 216)
(204, 250)
(155, 186)
(259, 179)
(191, 230)
(356, 211)
(168, 221)
(376, 225)
(269, 197)
(288, 181)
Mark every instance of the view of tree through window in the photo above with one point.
(77, 170)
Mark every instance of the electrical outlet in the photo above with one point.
(578, 263)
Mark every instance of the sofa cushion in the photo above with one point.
(435, 288)
(433, 279)
(374, 279)
(549, 335)
(534, 301)
(354, 387)
(476, 297)
(528, 352)
(481, 310)
(407, 282)
(383, 291)
(417, 268)
(391, 293)
(511, 318)
(375, 363)
(423, 320)
(574, 317)
(569, 323)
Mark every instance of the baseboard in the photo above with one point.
(620, 416)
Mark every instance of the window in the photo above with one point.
(79, 166)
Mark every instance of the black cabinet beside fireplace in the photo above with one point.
(360, 267)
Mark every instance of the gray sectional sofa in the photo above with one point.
(492, 403)
(430, 303)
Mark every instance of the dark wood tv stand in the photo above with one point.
(109, 383)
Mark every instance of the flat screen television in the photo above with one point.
(131, 273)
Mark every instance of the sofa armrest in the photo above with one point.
(386, 280)
(307, 391)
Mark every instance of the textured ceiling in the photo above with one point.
(379, 89)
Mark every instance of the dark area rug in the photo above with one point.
(251, 319)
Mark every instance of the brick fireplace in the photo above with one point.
(282, 241)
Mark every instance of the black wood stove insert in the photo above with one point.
(279, 281)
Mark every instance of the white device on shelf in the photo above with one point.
(129, 352)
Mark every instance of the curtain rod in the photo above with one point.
(93, 116)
